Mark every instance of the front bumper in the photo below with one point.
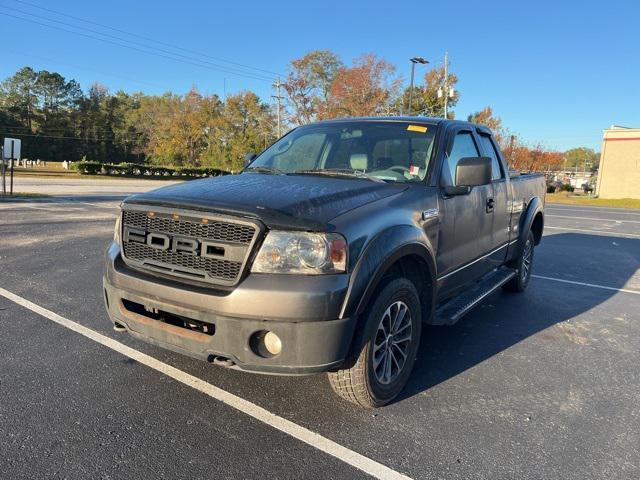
(302, 310)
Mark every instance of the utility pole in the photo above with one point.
(446, 91)
(278, 97)
(446, 83)
(512, 142)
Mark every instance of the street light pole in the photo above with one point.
(413, 69)
(413, 61)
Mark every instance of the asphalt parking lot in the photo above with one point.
(543, 384)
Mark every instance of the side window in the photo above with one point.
(463, 146)
(490, 150)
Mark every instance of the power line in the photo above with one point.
(104, 139)
(230, 69)
(146, 38)
(250, 76)
(49, 130)
(101, 72)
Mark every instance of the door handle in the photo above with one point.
(490, 205)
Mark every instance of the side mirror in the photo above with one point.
(248, 158)
(470, 172)
(473, 171)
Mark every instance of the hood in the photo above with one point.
(289, 201)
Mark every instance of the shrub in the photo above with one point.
(124, 168)
(89, 168)
(200, 171)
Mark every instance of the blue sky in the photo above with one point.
(557, 72)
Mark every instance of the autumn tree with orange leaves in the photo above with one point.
(366, 89)
(195, 129)
(308, 85)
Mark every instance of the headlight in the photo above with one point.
(302, 252)
(116, 230)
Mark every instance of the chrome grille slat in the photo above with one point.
(219, 231)
(223, 231)
(215, 268)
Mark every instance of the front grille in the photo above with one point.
(237, 236)
(220, 231)
(213, 267)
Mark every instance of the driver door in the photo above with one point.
(466, 228)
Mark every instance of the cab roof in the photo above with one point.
(415, 119)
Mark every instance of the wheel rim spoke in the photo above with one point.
(404, 339)
(526, 260)
(378, 360)
(387, 367)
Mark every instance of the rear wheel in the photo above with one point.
(524, 264)
(385, 361)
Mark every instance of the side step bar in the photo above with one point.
(452, 311)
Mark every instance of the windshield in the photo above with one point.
(387, 151)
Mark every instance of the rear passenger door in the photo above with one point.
(466, 224)
(501, 211)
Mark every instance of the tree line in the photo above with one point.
(57, 120)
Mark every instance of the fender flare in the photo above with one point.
(526, 221)
(383, 251)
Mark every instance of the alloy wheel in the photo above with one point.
(392, 342)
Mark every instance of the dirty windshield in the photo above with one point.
(383, 151)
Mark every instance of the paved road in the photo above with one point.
(85, 187)
(539, 385)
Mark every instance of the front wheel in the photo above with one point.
(524, 264)
(385, 362)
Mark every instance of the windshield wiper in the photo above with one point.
(264, 169)
(338, 172)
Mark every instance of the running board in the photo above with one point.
(457, 307)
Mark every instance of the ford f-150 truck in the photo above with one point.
(328, 251)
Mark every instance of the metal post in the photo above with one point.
(512, 141)
(278, 97)
(4, 185)
(11, 189)
(446, 81)
(413, 61)
(413, 68)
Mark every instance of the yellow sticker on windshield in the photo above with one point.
(417, 128)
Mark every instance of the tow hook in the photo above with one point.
(118, 327)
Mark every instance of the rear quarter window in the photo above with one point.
(490, 150)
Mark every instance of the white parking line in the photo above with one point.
(593, 285)
(621, 211)
(592, 218)
(367, 465)
(603, 232)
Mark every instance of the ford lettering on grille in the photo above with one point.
(187, 244)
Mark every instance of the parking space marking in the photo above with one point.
(365, 464)
(602, 232)
(593, 218)
(593, 285)
(581, 208)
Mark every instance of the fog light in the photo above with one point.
(265, 344)
(272, 343)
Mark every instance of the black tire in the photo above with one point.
(523, 265)
(364, 383)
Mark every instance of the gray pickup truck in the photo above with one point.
(328, 251)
